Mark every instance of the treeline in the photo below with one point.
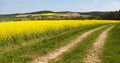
(115, 15)
(111, 15)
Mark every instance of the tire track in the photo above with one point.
(92, 55)
(60, 51)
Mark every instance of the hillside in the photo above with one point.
(48, 15)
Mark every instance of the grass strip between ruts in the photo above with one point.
(22, 54)
(77, 53)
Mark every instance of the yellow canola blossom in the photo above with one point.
(10, 29)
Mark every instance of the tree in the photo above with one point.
(112, 15)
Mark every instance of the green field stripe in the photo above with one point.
(44, 36)
(41, 48)
(32, 41)
(33, 36)
(111, 51)
(76, 55)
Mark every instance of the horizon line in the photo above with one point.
(54, 11)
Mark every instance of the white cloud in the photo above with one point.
(108, 7)
(113, 6)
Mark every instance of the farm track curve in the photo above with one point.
(60, 51)
(92, 55)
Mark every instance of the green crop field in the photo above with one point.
(63, 41)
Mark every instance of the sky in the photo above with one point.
(23, 6)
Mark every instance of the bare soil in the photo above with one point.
(92, 55)
(60, 51)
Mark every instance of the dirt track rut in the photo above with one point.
(60, 51)
(92, 55)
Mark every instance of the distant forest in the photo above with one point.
(111, 15)
(50, 15)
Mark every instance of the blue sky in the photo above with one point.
(23, 6)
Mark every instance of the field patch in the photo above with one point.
(22, 42)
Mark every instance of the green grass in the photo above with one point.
(23, 53)
(33, 38)
(111, 51)
(24, 38)
(77, 54)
